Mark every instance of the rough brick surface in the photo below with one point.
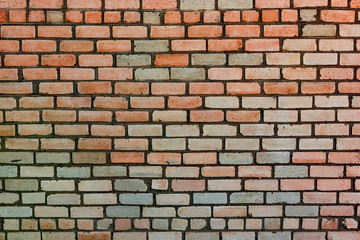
(179, 119)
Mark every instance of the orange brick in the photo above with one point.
(17, 31)
(280, 88)
(92, 4)
(243, 88)
(93, 17)
(224, 45)
(242, 31)
(77, 74)
(21, 60)
(68, 60)
(132, 17)
(174, 60)
(74, 16)
(184, 102)
(94, 144)
(204, 31)
(129, 88)
(281, 30)
(172, 17)
(167, 32)
(206, 88)
(112, 17)
(114, 46)
(127, 157)
(243, 116)
(232, 16)
(133, 116)
(337, 16)
(272, 4)
(270, 15)
(18, 16)
(130, 32)
(206, 116)
(191, 17)
(159, 4)
(164, 158)
(76, 46)
(55, 32)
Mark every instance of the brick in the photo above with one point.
(202, 5)
(318, 30)
(188, 45)
(55, 32)
(260, 45)
(18, 32)
(242, 31)
(273, 4)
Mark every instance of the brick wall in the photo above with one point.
(179, 119)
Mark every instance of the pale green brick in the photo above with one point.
(63, 199)
(24, 236)
(145, 171)
(46, 211)
(15, 212)
(37, 172)
(301, 211)
(87, 212)
(136, 199)
(208, 59)
(197, 5)
(235, 4)
(100, 199)
(272, 157)
(161, 212)
(283, 197)
(160, 224)
(52, 158)
(8, 171)
(236, 158)
(130, 185)
(9, 198)
(109, 171)
(89, 157)
(249, 197)
(133, 60)
(143, 74)
(188, 74)
(33, 198)
(123, 211)
(58, 236)
(274, 235)
(58, 185)
(165, 235)
(151, 45)
(21, 184)
(17, 157)
(73, 172)
(210, 198)
(245, 59)
(291, 171)
(95, 186)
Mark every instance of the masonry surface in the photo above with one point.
(179, 119)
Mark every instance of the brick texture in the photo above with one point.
(179, 119)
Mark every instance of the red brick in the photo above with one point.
(46, 4)
(55, 32)
(242, 31)
(173, 60)
(127, 157)
(92, 4)
(17, 31)
(204, 31)
(159, 4)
